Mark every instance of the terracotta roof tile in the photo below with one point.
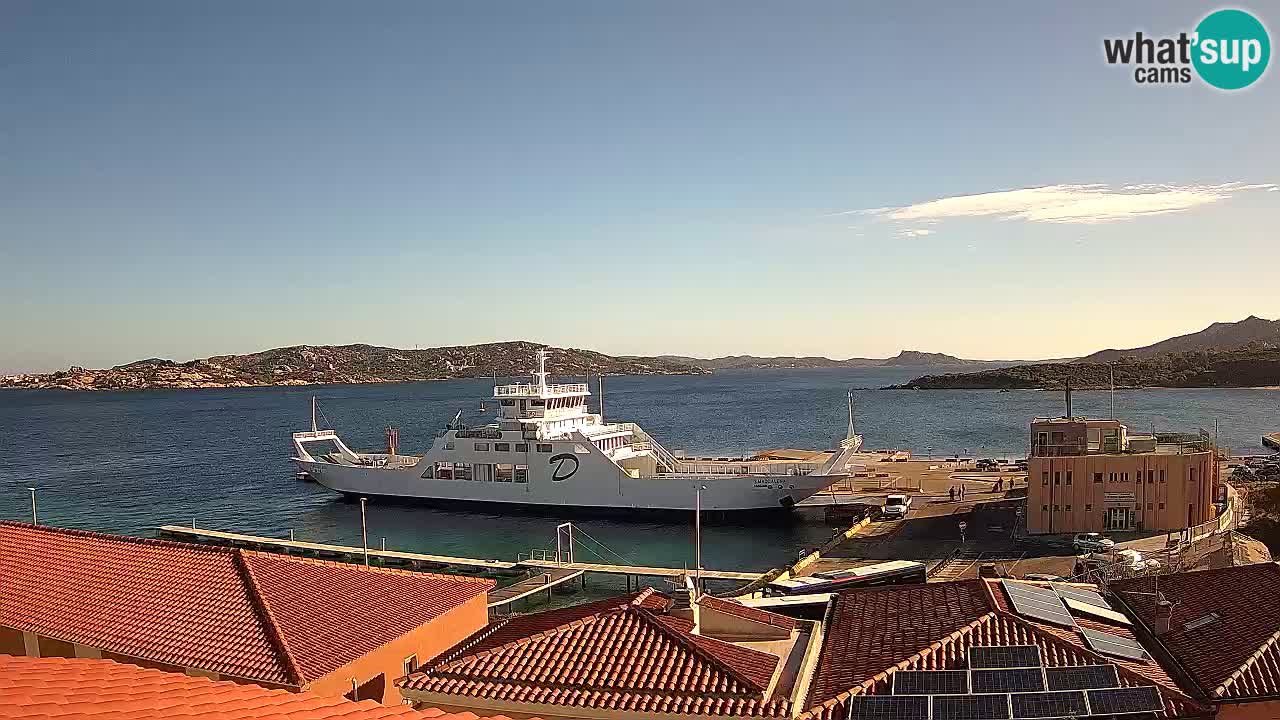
(80, 689)
(883, 624)
(1236, 655)
(257, 616)
(624, 654)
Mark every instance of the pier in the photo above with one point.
(1272, 440)
(412, 559)
(539, 583)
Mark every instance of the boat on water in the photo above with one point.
(546, 449)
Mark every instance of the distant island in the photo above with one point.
(1239, 354)
(346, 364)
(906, 358)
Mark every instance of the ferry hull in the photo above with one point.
(721, 493)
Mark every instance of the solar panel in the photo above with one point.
(888, 707)
(1109, 644)
(1084, 677)
(930, 682)
(1008, 656)
(1039, 603)
(1049, 705)
(970, 707)
(1013, 680)
(1118, 701)
(1081, 594)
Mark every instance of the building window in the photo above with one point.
(1056, 508)
(411, 665)
(1149, 506)
(1097, 477)
(1111, 477)
(1057, 478)
(1068, 508)
(1161, 474)
(1161, 506)
(1088, 507)
(1044, 478)
(544, 447)
(1151, 476)
(1193, 475)
(1068, 477)
(1124, 477)
(502, 447)
(1044, 508)
(522, 447)
(482, 447)
(522, 473)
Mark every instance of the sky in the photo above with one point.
(845, 179)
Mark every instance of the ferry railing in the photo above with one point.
(530, 390)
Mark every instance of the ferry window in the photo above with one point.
(505, 472)
(522, 473)
(448, 446)
(444, 471)
(522, 447)
(1068, 477)
(462, 471)
(508, 403)
(430, 474)
(502, 447)
(1097, 477)
(581, 450)
(482, 447)
(544, 447)
(538, 403)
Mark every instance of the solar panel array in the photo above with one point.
(1082, 677)
(1007, 683)
(1081, 594)
(1009, 656)
(1038, 602)
(1121, 701)
(1115, 645)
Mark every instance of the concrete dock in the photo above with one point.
(533, 585)
(395, 557)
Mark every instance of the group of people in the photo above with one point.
(956, 493)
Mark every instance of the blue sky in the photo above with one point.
(182, 180)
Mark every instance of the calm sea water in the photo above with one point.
(130, 461)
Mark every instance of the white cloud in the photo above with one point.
(914, 232)
(1077, 204)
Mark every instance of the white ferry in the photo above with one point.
(547, 450)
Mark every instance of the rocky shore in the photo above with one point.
(345, 364)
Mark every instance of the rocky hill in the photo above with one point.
(1250, 367)
(1250, 332)
(912, 358)
(312, 364)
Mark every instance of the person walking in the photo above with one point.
(951, 492)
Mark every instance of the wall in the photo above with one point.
(426, 642)
(1081, 505)
(1267, 710)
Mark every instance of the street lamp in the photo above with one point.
(697, 533)
(33, 506)
(364, 533)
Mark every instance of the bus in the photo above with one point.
(896, 572)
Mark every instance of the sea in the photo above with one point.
(128, 462)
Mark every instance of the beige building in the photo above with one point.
(1093, 476)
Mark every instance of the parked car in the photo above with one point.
(1092, 542)
(896, 507)
(986, 465)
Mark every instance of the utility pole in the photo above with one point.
(33, 506)
(364, 532)
(697, 533)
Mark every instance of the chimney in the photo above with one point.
(1164, 616)
(1068, 398)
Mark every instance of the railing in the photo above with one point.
(530, 390)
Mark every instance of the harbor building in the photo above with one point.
(1217, 631)
(1087, 475)
(227, 614)
(58, 688)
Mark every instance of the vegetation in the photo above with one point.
(1250, 367)
(1264, 521)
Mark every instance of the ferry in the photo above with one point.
(547, 450)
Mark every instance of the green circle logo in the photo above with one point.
(1231, 49)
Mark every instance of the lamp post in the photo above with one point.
(697, 533)
(364, 532)
(33, 506)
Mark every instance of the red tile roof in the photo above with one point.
(1235, 656)
(737, 609)
(79, 689)
(263, 617)
(875, 632)
(623, 654)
